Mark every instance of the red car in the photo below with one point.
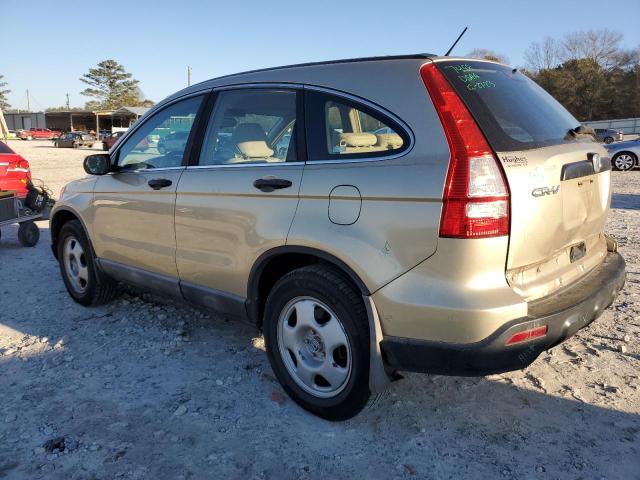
(15, 172)
(110, 141)
(38, 133)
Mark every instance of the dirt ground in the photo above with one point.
(143, 389)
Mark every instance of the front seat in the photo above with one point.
(251, 142)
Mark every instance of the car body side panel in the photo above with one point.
(398, 222)
(78, 199)
(458, 295)
(224, 223)
(134, 224)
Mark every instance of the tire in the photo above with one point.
(623, 161)
(331, 382)
(74, 145)
(91, 145)
(162, 150)
(86, 284)
(28, 234)
(608, 140)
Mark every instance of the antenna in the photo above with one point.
(456, 42)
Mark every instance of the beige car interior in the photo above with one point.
(251, 141)
(359, 140)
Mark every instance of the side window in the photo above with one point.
(251, 126)
(161, 141)
(341, 128)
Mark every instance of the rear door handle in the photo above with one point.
(158, 183)
(271, 184)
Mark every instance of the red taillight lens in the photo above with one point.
(527, 335)
(476, 199)
(20, 166)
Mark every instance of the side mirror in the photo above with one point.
(99, 164)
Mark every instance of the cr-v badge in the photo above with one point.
(541, 191)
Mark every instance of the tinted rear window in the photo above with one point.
(4, 148)
(512, 110)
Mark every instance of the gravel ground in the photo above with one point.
(142, 388)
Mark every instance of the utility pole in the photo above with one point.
(188, 76)
(28, 102)
(68, 107)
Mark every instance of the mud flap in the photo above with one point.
(379, 380)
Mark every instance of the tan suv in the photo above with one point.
(415, 213)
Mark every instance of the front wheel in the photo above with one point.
(317, 337)
(623, 161)
(608, 140)
(85, 283)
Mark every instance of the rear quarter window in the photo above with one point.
(512, 110)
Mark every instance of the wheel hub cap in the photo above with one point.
(314, 344)
(75, 264)
(314, 347)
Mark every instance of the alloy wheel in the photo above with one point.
(623, 161)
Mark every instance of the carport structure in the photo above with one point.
(127, 116)
(87, 120)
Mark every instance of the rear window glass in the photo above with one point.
(4, 148)
(512, 110)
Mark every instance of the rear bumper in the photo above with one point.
(564, 313)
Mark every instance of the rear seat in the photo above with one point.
(369, 142)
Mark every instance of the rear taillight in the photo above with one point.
(476, 199)
(19, 166)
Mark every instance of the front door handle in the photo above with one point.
(271, 184)
(158, 183)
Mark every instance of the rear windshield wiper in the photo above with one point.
(580, 131)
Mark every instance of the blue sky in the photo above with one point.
(49, 45)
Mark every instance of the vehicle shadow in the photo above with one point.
(113, 378)
(625, 201)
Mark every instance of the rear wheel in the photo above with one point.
(624, 161)
(85, 283)
(317, 338)
(608, 140)
(28, 234)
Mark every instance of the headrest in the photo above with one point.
(357, 139)
(255, 149)
(249, 132)
(389, 140)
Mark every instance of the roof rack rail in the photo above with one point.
(332, 62)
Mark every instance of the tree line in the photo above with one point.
(588, 72)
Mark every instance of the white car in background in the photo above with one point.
(624, 155)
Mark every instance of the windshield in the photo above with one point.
(513, 111)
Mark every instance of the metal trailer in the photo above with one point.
(11, 212)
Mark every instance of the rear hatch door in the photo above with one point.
(559, 180)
